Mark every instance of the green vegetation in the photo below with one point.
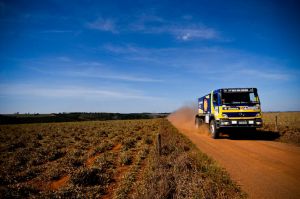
(106, 159)
(73, 117)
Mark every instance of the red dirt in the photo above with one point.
(90, 161)
(141, 171)
(118, 177)
(39, 184)
(119, 174)
(117, 147)
(110, 191)
(264, 169)
(59, 183)
(54, 185)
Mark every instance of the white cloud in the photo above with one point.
(122, 49)
(188, 30)
(267, 74)
(65, 66)
(185, 34)
(209, 62)
(95, 74)
(152, 24)
(180, 32)
(102, 24)
(28, 90)
(57, 31)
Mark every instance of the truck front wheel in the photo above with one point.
(213, 129)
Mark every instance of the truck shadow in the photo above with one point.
(249, 135)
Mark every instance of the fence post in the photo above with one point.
(276, 124)
(158, 144)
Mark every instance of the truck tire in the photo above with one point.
(198, 122)
(213, 129)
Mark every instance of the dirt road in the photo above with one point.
(264, 169)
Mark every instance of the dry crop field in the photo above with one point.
(288, 125)
(107, 159)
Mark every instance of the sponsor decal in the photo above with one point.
(205, 104)
(231, 108)
(235, 90)
(200, 104)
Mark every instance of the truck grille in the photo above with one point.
(242, 114)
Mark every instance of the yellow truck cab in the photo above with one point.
(229, 108)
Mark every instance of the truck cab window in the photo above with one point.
(215, 98)
(253, 98)
(237, 98)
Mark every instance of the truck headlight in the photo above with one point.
(258, 115)
(224, 115)
(225, 123)
(254, 107)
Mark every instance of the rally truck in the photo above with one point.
(229, 108)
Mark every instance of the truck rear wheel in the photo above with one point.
(198, 122)
(213, 129)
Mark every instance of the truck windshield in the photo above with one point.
(240, 98)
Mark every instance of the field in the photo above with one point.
(107, 159)
(288, 125)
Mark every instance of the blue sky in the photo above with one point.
(145, 56)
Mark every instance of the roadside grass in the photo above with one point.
(106, 159)
(182, 171)
(288, 125)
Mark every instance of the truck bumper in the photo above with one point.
(240, 123)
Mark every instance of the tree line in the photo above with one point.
(73, 117)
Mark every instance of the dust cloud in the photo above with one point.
(184, 119)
